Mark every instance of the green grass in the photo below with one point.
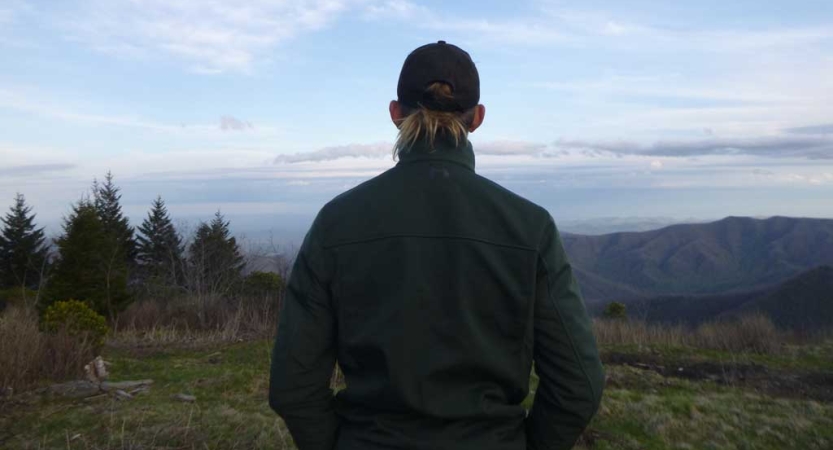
(640, 410)
(231, 410)
(643, 410)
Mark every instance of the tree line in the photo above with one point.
(100, 259)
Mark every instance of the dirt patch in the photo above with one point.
(806, 385)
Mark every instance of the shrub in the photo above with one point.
(76, 319)
(263, 283)
(17, 296)
(615, 310)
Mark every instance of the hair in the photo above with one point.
(422, 124)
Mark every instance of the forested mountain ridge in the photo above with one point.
(736, 253)
(801, 303)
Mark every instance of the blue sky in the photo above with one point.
(267, 109)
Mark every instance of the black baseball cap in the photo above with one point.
(441, 62)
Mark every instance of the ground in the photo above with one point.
(656, 398)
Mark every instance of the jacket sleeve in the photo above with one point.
(304, 354)
(571, 377)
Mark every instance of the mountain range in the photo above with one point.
(693, 272)
(731, 254)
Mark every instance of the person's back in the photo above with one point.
(434, 289)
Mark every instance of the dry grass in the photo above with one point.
(754, 333)
(29, 356)
(189, 321)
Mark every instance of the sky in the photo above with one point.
(265, 110)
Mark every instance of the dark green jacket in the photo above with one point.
(434, 289)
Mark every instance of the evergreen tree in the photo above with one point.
(89, 267)
(115, 225)
(215, 257)
(23, 253)
(159, 247)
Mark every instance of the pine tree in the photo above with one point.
(23, 253)
(215, 257)
(159, 247)
(89, 267)
(107, 203)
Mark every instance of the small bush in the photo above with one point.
(77, 319)
(615, 310)
(263, 283)
(17, 297)
(29, 357)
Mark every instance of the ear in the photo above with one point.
(477, 120)
(395, 112)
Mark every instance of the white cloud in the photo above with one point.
(28, 100)
(210, 36)
(656, 164)
(233, 123)
(510, 148)
(375, 151)
(620, 32)
(556, 26)
(785, 146)
(22, 102)
(12, 10)
(28, 170)
(669, 86)
(395, 9)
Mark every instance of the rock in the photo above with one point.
(185, 398)
(75, 389)
(96, 370)
(108, 386)
(86, 388)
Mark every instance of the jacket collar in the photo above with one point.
(462, 154)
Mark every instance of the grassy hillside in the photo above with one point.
(730, 254)
(657, 397)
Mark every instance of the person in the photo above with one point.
(434, 289)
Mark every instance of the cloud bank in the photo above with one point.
(808, 147)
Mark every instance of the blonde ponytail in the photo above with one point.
(427, 125)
